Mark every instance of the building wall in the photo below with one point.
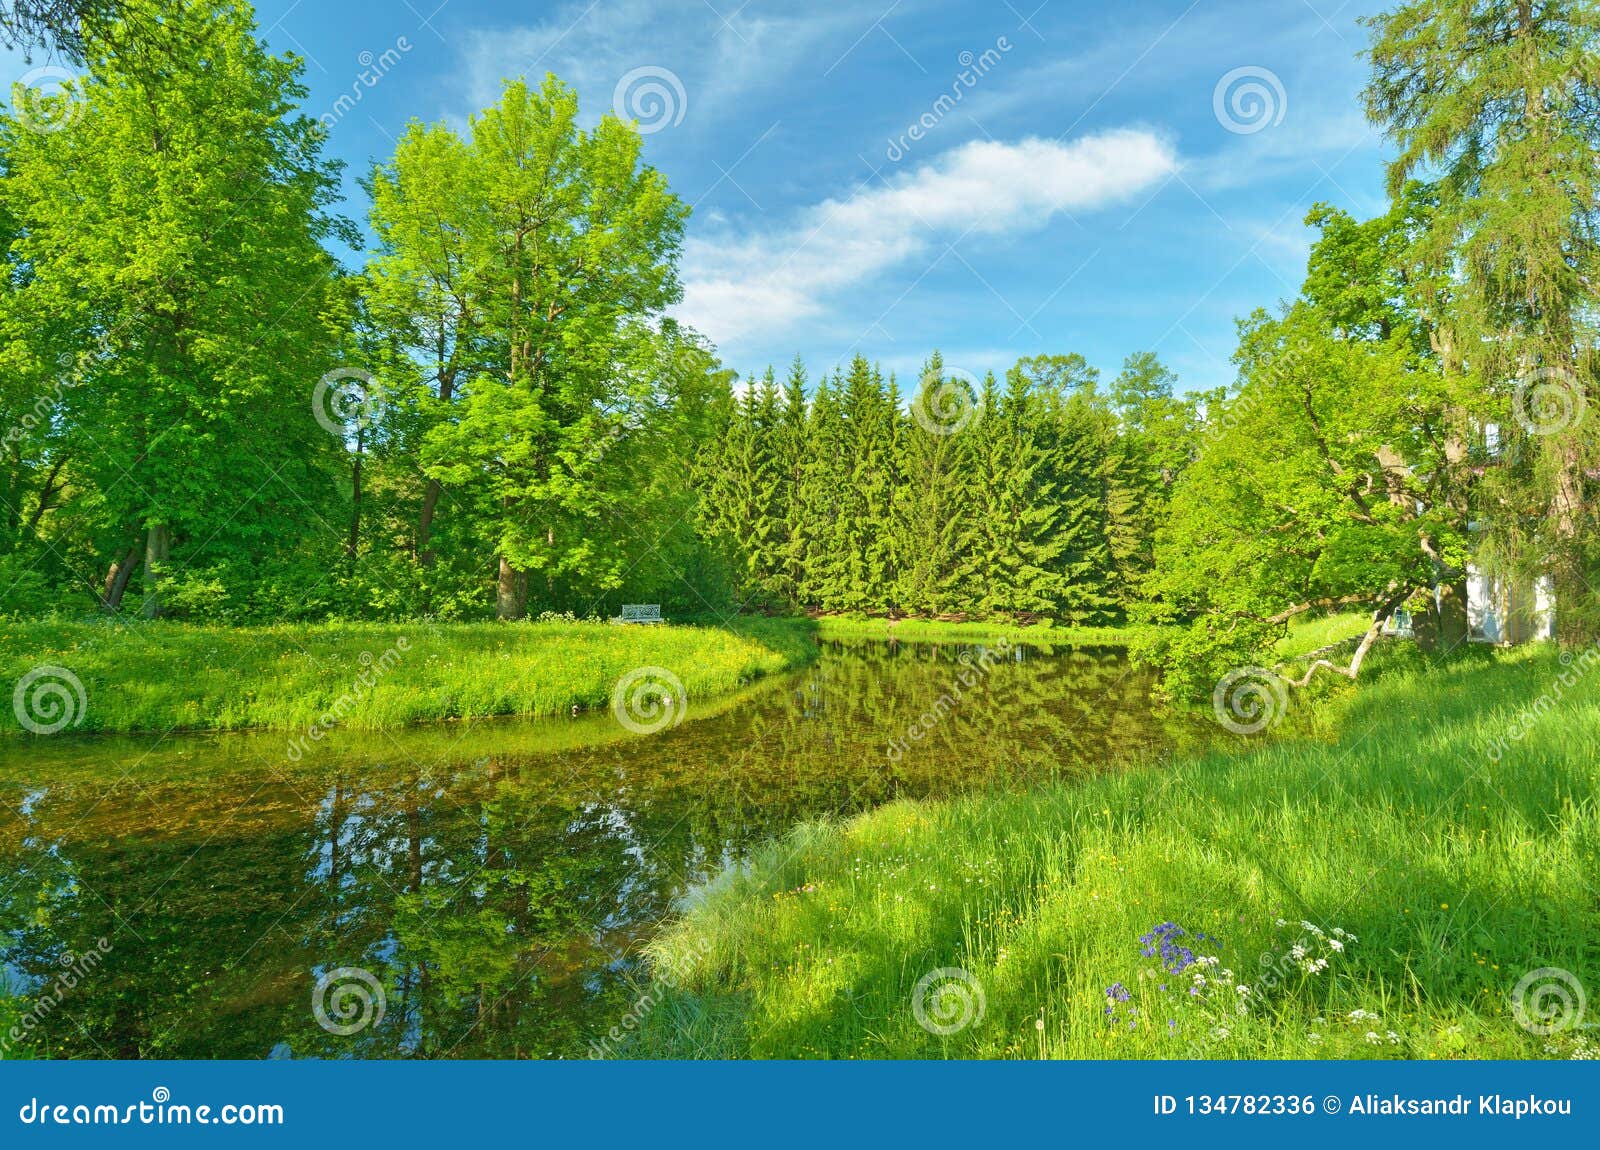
(1509, 612)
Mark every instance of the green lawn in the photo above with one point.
(1307, 635)
(161, 676)
(1044, 633)
(1454, 855)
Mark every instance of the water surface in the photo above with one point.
(493, 882)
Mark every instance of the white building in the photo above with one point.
(1507, 612)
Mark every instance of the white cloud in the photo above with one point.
(737, 285)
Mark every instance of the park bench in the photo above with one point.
(641, 613)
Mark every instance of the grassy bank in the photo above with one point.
(1437, 848)
(164, 676)
(1042, 634)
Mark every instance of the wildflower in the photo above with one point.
(1221, 1032)
(1394, 1039)
(1372, 1037)
(1116, 992)
(1335, 945)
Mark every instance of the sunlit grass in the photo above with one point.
(160, 676)
(1307, 635)
(1460, 858)
(1043, 633)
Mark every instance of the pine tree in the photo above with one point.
(932, 511)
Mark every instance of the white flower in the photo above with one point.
(1297, 952)
(1243, 1008)
(1335, 945)
(1394, 1039)
(1372, 1037)
(1220, 1032)
(1283, 922)
(1242, 989)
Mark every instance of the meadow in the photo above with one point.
(1375, 883)
(164, 676)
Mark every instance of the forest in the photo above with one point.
(209, 416)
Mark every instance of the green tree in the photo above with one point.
(932, 514)
(1498, 98)
(578, 242)
(174, 227)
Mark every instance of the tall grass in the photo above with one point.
(1451, 827)
(161, 676)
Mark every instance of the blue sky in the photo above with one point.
(1085, 193)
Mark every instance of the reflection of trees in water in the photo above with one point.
(498, 897)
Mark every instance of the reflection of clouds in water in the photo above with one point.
(501, 876)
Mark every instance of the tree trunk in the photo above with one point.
(157, 547)
(511, 592)
(1452, 614)
(1425, 625)
(430, 503)
(354, 541)
(117, 578)
(1577, 619)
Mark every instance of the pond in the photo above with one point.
(478, 890)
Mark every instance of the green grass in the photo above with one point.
(1459, 858)
(1042, 633)
(1307, 635)
(164, 676)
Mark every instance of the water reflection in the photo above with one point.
(495, 880)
